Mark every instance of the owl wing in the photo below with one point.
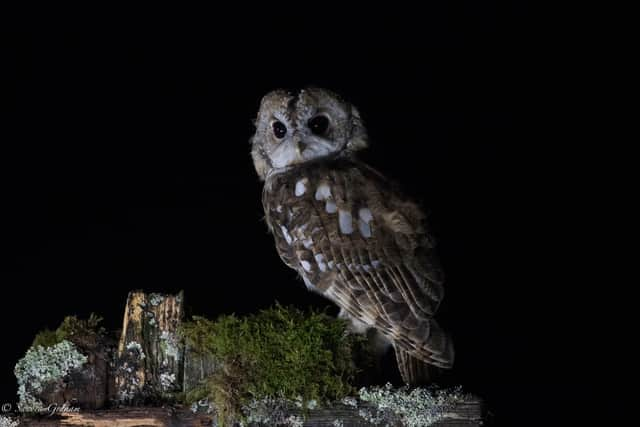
(356, 240)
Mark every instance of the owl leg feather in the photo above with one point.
(379, 345)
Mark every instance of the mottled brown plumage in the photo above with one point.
(351, 236)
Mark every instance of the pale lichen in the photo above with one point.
(167, 381)
(129, 366)
(294, 421)
(136, 349)
(42, 366)
(272, 411)
(350, 401)
(170, 344)
(156, 299)
(412, 407)
(202, 406)
(151, 318)
(8, 422)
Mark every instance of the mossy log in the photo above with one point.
(465, 414)
(149, 355)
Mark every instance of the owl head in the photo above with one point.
(296, 128)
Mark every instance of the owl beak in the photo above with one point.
(299, 145)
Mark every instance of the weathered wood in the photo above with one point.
(129, 417)
(89, 387)
(197, 367)
(465, 414)
(149, 358)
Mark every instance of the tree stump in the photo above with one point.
(150, 357)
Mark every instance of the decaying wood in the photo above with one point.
(197, 367)
(90, 386)
(129, 417)
(150, 324)
(464, 414)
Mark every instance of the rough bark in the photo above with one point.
(88, 387)
(197, 367)
(149, 361)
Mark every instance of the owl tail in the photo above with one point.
(415, 371)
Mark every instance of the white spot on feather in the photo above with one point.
(375, 263)
(330, 206)
(323, 192)
(365, 214)
(320, 261)
(306, 265)
(286, 234)
(365, 229)
(301, 187)
(307, 243)
(346, 223)
(365, 217)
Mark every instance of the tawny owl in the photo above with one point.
(350, 234)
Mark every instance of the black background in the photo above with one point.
(125, 165)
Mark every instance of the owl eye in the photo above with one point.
(279, 129)
(318, 125)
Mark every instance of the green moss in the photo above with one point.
(79, 331)
(47, 338)
(280, 352)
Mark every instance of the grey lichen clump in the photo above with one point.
(156, 299)
(42, 366)
(128, 368)
(418, 407)
(8, 422)
(277, 411)
(170, 344)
